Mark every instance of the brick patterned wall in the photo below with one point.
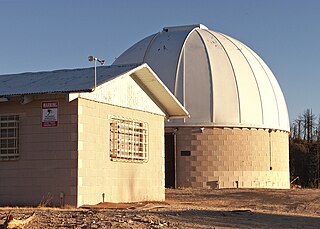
(232, 157)
(74, 157)
(119, 181)
(48, 156)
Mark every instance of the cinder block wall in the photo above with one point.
(232, 157)
(47, 165)
(119, 181)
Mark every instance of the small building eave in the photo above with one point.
(145, 77)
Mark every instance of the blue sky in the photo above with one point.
(39, 35)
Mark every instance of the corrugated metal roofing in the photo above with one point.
(59, 81)
(82, 80)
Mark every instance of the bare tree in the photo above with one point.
(296, 128)
(308, 120)
(305, 149)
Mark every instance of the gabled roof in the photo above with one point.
(82, 80)
(59, 81)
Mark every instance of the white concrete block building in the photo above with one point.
(65, 142)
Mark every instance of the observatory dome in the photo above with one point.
(219, 80)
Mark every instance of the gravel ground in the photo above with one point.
(189, 208)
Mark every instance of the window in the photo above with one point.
(128, 140)
(9, 137)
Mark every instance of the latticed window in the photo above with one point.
(128, 140)
(9, 137)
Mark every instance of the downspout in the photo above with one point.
(175, 157)
(270, 148)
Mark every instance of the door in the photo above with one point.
(169, 161)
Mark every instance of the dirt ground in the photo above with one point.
(189, 208)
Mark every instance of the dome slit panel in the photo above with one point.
(226, 97)
(210, 76)
(250, 107)
(251, 64)
(197, 81)
(165, 51)
(179, 89)
(180, 70)
(179, 80)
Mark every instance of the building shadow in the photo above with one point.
(239, 219)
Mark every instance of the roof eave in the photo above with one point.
(160, 94)
(46, 92)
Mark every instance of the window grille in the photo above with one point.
(128, 140)
(9, 137)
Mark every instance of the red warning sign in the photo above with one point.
(50, 114)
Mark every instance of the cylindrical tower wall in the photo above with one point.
(212, 157)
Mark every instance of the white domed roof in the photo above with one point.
(219, 80)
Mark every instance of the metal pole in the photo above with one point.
(95, 75)
(270, 148)
(95, 59)
(175, 157)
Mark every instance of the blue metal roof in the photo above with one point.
(59, 81)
